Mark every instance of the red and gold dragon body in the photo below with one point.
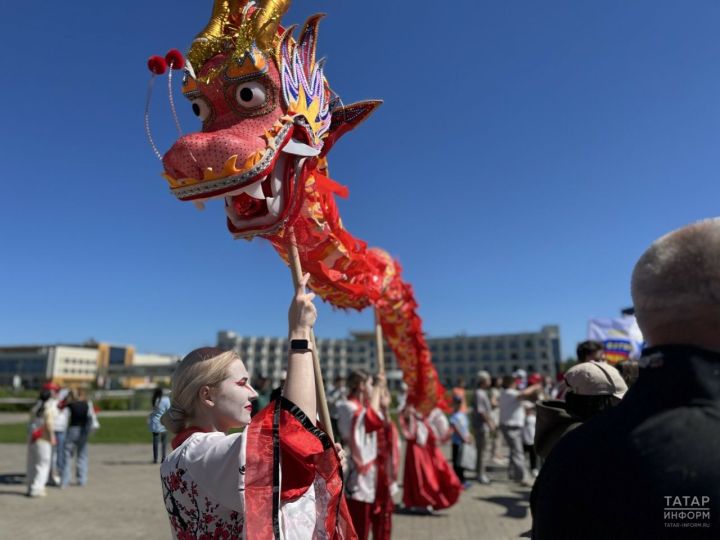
(269, 120)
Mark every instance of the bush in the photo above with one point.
(113, 404)
(8, 391)
(16, 407)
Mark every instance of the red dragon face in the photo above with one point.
(239, 154)
(268, 118)
(264, 114)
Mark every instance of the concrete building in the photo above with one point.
(86, 365)
(463, 356)
(74, 365)
(454, 357)
(119, 366)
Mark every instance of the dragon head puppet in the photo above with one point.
(268, 118)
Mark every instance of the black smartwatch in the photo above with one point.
(300, 345)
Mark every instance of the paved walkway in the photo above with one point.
(123, 500)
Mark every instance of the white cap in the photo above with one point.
(595, 379)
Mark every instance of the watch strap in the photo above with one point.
(299, 345)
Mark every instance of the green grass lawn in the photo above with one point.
(118, 430)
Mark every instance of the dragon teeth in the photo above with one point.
(254, 190)
(300, 149)
(273, 205)
(276, 184)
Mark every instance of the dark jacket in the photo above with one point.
(553, 421)
(632, 472)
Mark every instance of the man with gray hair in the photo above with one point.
(650, 467)
(482, 422)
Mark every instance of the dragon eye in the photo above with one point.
(201, 108)
(251, 95)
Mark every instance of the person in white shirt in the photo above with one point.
(512, 421)
(60, 425)
(529, 437)
(280, 477)
(359, 420)
(40, 443)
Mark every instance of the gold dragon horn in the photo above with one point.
(266, 21)
(208, 41)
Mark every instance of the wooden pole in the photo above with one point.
(322, 407)
(379, 345)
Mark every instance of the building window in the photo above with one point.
(117, 356)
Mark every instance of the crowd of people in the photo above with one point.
(606, 449)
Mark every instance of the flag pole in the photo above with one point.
(379, 345)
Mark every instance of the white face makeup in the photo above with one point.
(232, 399)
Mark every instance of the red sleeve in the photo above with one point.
(285, 450)
(300, 450)
(372, 421)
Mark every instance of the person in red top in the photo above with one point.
(360, 418)
(388, 463)
(428, 480)
(278, 478)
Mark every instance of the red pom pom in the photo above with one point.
(175, 59)
(157, 65)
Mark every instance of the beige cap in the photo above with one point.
(595, 379)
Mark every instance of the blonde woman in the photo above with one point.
(76, 440)
(279, 477)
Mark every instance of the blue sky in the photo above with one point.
(526, 154)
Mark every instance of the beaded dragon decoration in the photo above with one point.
(269, 119)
